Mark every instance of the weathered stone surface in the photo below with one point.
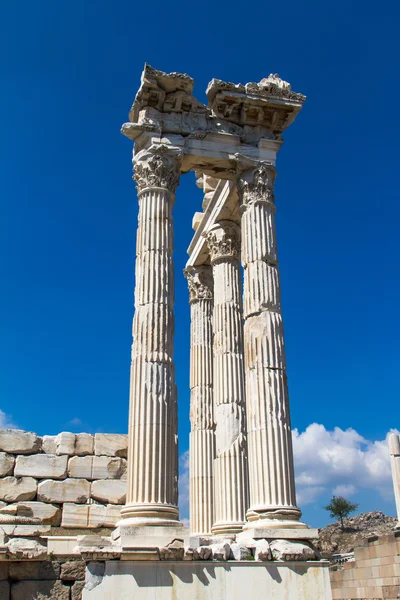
(94, 574)
(84, 444)
(173, 551)
(77, 589)
(262, 550)
(26, 530)
(42, 466)
(49, 445)
(65, 443)
(108, 444)
(285, 550)
(68, 490)
(221, 551)
(104, 516)
(202, 553)
(21, 548)
(241, 552)
(108, 490)
(17, 441)
(39, 590)
(47, 513)
(7, 463)
(73, 570)
(13, 489)
(75, 515)
(43, 569)
(97, 467)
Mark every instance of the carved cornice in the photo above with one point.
(223, 241)
(158, 166)
(200, 283)
(256, 184)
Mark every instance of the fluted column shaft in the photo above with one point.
(152, 482)
(230, 466)
(202, 435)
(271, 472)
(394, 449)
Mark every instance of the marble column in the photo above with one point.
(394, 449)
(230, 465)
(202, 435)
(271, 472)
(152, 482)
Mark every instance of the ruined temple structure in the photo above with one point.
(246, 536)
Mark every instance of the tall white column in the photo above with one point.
(152, 483)
(202, 435)
(230, 465)
(271, 472)
(394, 449)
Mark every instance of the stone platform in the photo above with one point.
(198, 580)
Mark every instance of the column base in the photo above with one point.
(274, 517)
(150, 514)
(219, 529)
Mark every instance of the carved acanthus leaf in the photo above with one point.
(223, 241)
(200, 282)
(256, 184)
(159, 166)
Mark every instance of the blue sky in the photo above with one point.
(68, 74)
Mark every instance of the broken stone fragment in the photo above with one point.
(21, 548)
(42, 466)
(13, 489)
(293, 550)
(17, 441)
(175, 550)
(241, 552)
(7, 463)
(73, 570)
(47, 514)
(221, 551)
(202, 553)
(109, 490)
(262, 550)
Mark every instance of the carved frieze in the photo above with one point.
(200, 282)
(223, 241)
(159, 166)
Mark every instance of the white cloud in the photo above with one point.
(5, 421)
(339, 462)
(184, 486)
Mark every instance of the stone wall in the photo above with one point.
(68, 481)
(374, 573)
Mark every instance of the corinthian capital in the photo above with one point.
(223, 240)
(200, 282)
(256, 182)
(157, 166)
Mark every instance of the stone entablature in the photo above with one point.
(54, 483)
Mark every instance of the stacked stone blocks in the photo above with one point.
(69, 480)
(374, 573)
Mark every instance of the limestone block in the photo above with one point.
(68, 490)
(17, 441)
(104, 516)
(65, 443)
(47, 513)
(221, 551)
(84, 444)
(97, 467)
(25, 549)
(47, 570)
(75, 515)
(14, 489)
(73, 570)
(43, 590)
(7, 463)
(262, 550)
(108, 444)
(49, 445)
(37, 530)
(42, 466)
(77, 589)
(285, 550)
(109, 490)
(241, 552)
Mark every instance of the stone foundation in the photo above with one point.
(131, 580)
